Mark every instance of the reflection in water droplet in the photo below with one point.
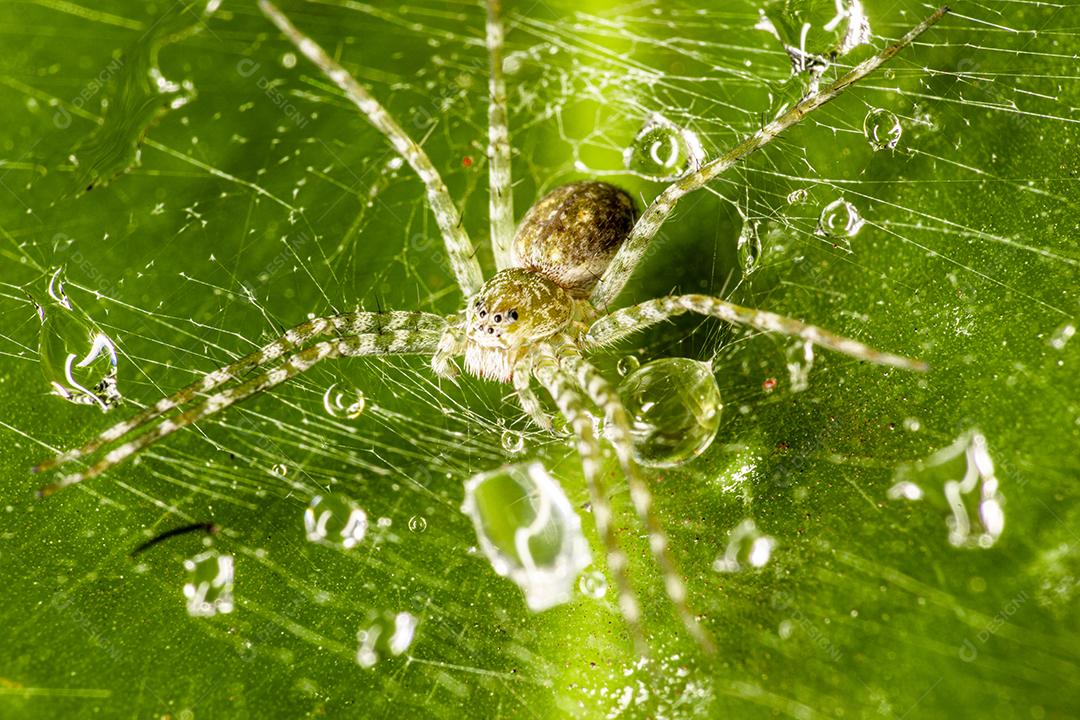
(209, 584)
(593, 584)
(1062, 336)
(77, 358)
(749, 246)
(417, 523)
(513, 442)
(674, 408)
(840, 220)
(335, 521)
(815, 33)
(747, 548)
(800, 360)
(344, 402)
(389, 634)
(970, 488)
(281, 469)
(663, 151)
(882, 129)
(529, 531)
(627, 364)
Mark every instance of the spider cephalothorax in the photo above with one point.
(534, 322)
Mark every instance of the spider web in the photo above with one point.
(264, 198)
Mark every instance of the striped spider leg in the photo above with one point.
(501, 192)
(648, 225)
(397, 333)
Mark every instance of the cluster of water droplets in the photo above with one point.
(529, 531)
(335, 521)
(969, 489)
(208, 586)
(77, 358)
(663, 151)
(747, 547)
(674, 408)
(389, 634)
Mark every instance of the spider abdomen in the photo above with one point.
(570, 235)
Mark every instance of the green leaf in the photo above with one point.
(267, 197)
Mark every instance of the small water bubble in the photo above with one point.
(513, 442)
(663, 151)
(882, 129)
(529, 531)
(912, 424)
(77, 358)
(344, 402)
(1062, 335)
(593, 584)
(889, 74)
(748, 247)
(747, 547)
(389, 634)
(905, 490)
(335, 521)
(417, 524)
(840, 220)
(970, 487)
(209, 584)
(288, 60)
(798, 196)
(800, 360)
(627, 364)
(674, 407)
(280, 469)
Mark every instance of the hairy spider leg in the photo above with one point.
(397, 342)
(459, 247)
(620, 323)
(633, 249)
(528, 400)
(571, 404)
(617, 431)
(501, 190)
(353, 323)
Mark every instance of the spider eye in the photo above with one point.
(498, 317)
(483, 313)
(491, 330)
(513, 315)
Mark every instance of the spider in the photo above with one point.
(547, 307)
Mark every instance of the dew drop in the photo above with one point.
(905, 490)
(1062, 336)
(593, 584)
(335, 521)
(77, 358)
(747, 547)
(748, 247)
(663, 151)
(513, 442)
(529, 531)
(280, 469)
(840, 220)
(882, 129)
(965, 472)
(800, 360)
(209, 584)
(627, 364)
(797, 196)
(288, 60)
(417, 524)
(674, 407)
(344, 402)
(388, 634)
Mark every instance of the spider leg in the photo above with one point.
(571, 404)
(394, 342)
(620, 323)
(458, 245)
(634, 247)
(451, 344)
(501, 196)
(604, 396)
(530, 403)
(354, 323)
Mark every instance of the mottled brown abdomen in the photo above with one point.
(570, 235)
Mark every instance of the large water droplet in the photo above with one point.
(529, 531)
(747, 547)
(335, 521)
(674, 407)
(882, 129)
(627, 364)
(663, 151)
(814, 33)
(966, 473)
(209, 584)
(512, 442)
(342, 401)
(77, 358)
(840, 221)
(389, 634)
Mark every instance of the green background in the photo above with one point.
(267, 197)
